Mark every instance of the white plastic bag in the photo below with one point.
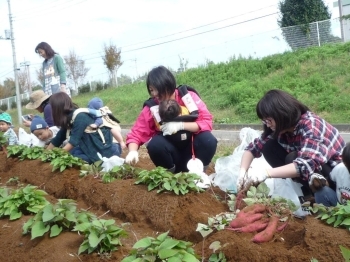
(109, 163)
(195, 166)
(227, 168)
(28, 139)
(291, 190)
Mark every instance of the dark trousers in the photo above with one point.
(166, 154)
(277, 156)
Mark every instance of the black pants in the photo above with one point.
(164, 153)
(277, 156)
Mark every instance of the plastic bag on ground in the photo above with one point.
(28, 139)
(195, 166)
(291, 190)
(227, 168)
(109, 163)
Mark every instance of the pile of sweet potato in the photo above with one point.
(257, 218)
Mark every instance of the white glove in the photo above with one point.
(258, 176)
(240, 179)
(317, 182)
(171, 128)
(132, 157)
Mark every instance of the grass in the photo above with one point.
(318, 76)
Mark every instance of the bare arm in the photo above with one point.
(286, 171)
(191, 126)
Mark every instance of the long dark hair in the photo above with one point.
(346, 156)
(62, 105)
(282, 107)
(47, 48)
(161, 79)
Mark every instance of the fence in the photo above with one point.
(13, 99)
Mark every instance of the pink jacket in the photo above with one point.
(145, 127)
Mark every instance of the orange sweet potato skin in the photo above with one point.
(256, 208)
(267, 234)
(256, 226)
(247, 219)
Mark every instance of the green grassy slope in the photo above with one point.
(320, 77)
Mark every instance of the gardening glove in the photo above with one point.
(240, 179)
(132, 157)
(317, 182)
(256, 176)
(171, 128)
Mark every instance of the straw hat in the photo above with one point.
(36, 99)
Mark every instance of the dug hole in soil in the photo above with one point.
(149, 214)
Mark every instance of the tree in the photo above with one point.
(40, 76)
(5, 92)
(112, 60)
(75, 68)
(124, 80)
(300, 13)
(23, 81)
(10, 85)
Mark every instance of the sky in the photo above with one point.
(148, 32)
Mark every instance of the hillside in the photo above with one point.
(318, 76)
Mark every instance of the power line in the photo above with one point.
(55, 10)
(187, 30)
(208, 31)
(42, 5)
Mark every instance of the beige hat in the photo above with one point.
(36, 99)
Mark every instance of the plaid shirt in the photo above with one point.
(316, 141)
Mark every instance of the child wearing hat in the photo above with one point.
(94, 105)
(6, 128)
(42, 131)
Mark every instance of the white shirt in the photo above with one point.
(341, 176)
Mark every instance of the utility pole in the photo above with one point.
(18, 95)
(26, 65)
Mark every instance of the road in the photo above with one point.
(232, 137)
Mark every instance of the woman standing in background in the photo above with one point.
(53, 70)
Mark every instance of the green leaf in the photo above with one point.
(165, 253)
(346, 221)
(47, 213)
(93, 239)
(55, 230)
(142, 243)
(83, 247)
(189, 258)
(169, 243)
(15, 214)
(39, 229)
(174, 259)
(345, 252)
(167, 186)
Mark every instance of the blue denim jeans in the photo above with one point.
(326, 196)
(77, 152)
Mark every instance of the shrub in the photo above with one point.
(84, 89)
(3, 107)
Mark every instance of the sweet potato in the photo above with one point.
(247, 219)
(267, 234)
(256, 208)
(256, 226)
(282, 227)
(239, 198)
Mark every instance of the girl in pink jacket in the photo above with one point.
(148, 128)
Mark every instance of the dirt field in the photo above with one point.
(149, 214)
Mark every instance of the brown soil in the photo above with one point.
(149, 214)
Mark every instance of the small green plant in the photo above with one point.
(15, 150)
(53, 218)
(25, 200)
(31, 153)
(13, 181)
(101, 235)
(345, 252)
(217, 257)
(119, 172)
(336, 216)
(162, 248)
(180, 183)
(64, 161)
(3, 141)
(94, 169)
